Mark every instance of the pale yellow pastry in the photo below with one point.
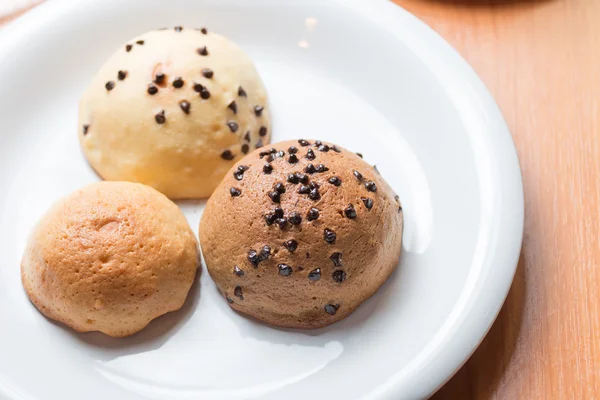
(110, 257)
(301, 235)
(174, 109)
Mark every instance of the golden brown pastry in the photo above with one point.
(300, 235)
(174, 109)
(110, 257)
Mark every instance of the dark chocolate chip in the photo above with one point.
(243, 168)
(235, 192)
(265, 252)
(227, 155)
(313, 214)
(303, 142)
(242, 92)
(267, 168)
(229, 299)
(238, 175)
(335, 181)
(314, 185)
(282, 222)
(121, 75)
(292, 159)
(336, 149)
(207, 73)
(270, 218)
(371, 186)
(258, 110)
(160, 117)
(245, 148)
(321, 168)
(152, 90)
(205, 94)
(178, 83)
(280, 187)
(303, 189)
(198, 88)
(272, 150)
(360, 155)
(159, 78)
(259, 144)
(140, 42)
(128, 48)
(314, 194)
(331, 309)
(253, 258)
(238, 292)
(237, 271)
(284, 269)
(315, 274)
(204, 31)
(336, 258)
(278, 212)
(275, 196)
(324, 148)
(350, 211)
(110, 85)
(358, 175)
(291, 245)
(310, 154)
(185, 106)
(317, 143)
(233, 126)
(295, 218)
(310, 169)
(339, 276)
(203, 51)
(329, 236)
(233, 107)
(280, 153)
(303, 178)
(368, 202)
(247, 137)
(178, 29)
(292, 149)
(292, 178)
(262, 131)
(85, 129)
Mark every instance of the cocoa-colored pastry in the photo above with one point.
(301, 234)
(110, 257)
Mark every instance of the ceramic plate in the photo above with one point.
(361, 73)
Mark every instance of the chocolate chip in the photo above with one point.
(267, 168)
(205, 94)
(314, 194)
(233, 107)
(314, 185)
(280, 153)
(303, 142)
(313, 214)
(238, 292)
(253, 258)
(247, 137)
(152, 90)
(128, 48)
(110, 85)
(376, 170)
(272, 150)
(203, 51)
(198, 88)
(368, 202)
(360, 155)
(303, 189)
(270, 218)
(245, 148)
(282, 222)
(243, 168)
(227, 155)
(265, 252)
(85, 129)
(284, 269)
(292, 178)
(292, 149)
(329, 236)
(262, 131)
(310, 154)
(291, 245)
(238, 175)
(336, 149)
(259, 144)
(339, 276)
(317, 143)
(275, 196)
(292, 159)
(358, 175)
(278, 212)
(371, 186)
(178, 29)
(310, 169)
(204, 31)
(235, 192)
(233, 126)
(303, 178)
(336, 258)
(258, 110)
(350, 211)
(237, 271)
(160, 117)
(280, 187)
(140, 42)
(229, 299)
(295, 218)
(321, 168)
(335, 181)
(159, 78)
(331, 309)
(185, 106)
(324, 148)
(315, 274)
(207, 73)
(242, 92)
(122, 75)
(178, 83)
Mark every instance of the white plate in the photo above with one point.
(361, 73)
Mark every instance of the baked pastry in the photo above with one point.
(110, 257)
(174, 109)
(301, 234)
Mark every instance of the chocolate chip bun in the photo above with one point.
(301, 234)
(110, 257)
(174, 109)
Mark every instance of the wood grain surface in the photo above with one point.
(541, 61)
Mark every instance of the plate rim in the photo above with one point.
(471, 326)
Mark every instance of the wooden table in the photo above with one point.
(541, 61)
